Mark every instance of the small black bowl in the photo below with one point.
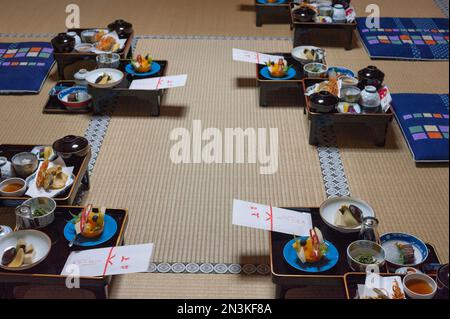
(323, 102)
(304, 14)
(63, 43)
(371, 76)
(122, 27)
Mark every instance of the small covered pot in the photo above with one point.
(323, 102)
(63, 43)
(123, 28)
(370, 76)
(71, 148)
(344, 3)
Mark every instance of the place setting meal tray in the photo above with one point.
(47, 274)
(299, 27)
(378, 122)
(64, 60)
(286, 277)
(67, 197)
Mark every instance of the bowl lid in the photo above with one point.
(120, 24)
(371, 72)
(324, 98)
(70, 144)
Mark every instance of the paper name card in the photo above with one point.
(386, 98)
(164, 82)
(109, 261)
(265, 217)
(253, 57)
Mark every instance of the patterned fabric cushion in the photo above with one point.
(406, 38)
(24, 66)
(424, 121)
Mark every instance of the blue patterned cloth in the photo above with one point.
(406, 38)
(424, 121)
(24, 66)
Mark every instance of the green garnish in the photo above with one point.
(39, 212)
(365, 259)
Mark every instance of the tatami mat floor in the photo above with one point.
(186, 209)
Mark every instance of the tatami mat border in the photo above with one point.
(443, 5)
(210, 268)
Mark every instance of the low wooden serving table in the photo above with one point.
(103, 96)
(269, 86)
(65, 60)
(45, 280)
(377, 122)
(67, 197)
(286, 277)
(267, 13)
(301, 27)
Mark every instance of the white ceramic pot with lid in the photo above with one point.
(339, 15)
(370, 99)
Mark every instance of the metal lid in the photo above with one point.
(4, 230)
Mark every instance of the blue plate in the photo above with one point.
(265, 73)
(155, 69)
(274, 3)
(327, 262)
(341, 70)
(108, 232)
(389, 241)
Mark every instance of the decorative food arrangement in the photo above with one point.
(377, 287)
(278, 69)
(107, 43)
(312, 249)
(21, 254)
(91, 227)
(142, 64)
(90, 222)
(366, 94)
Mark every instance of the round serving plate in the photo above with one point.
(289, 74)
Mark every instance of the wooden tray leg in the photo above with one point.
(263, 95)
(259, 22)
(86, 181)
(281, 291)
(349, 44)
(380, 132)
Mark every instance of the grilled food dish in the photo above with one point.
(406, 253)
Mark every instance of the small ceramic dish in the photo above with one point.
(331, 206)
(419, 286)
(350, 94)
(24, 164)
(316, 70)
(363, 248)
(116, 77)
(390, 242)
(300, 54)
(349, 108)
(40, 241)
(13, 181)
(83, 47)
(82, 98)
